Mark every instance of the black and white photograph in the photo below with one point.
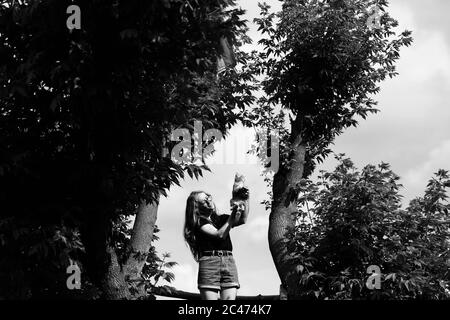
(246, 150)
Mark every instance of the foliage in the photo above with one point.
(350, 220)
(36, 257)
(156, 269)
(85, 114)
(321, 64)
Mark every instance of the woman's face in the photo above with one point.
(205, 201)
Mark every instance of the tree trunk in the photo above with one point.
(114, 285)
(282, 215)
(119, 281)
(141, 241)
(125, 281)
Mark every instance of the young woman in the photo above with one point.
(208, 237)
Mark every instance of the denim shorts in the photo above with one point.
(217, 272)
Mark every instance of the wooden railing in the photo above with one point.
(171, 292)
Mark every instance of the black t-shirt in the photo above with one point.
(207, 242)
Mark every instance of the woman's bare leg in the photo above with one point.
(228, 294)
(209, 294)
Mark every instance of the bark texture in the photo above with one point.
(141, 241)
(121, 280)
(282, 213)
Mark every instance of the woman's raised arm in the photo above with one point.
(223, 231)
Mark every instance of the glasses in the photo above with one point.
(208, 198)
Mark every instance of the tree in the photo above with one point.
(86, 114)
(322, 63)
(350, 220)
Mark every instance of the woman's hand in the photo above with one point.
(235, 215)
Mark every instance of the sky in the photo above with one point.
(411, 133)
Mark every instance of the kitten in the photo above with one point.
(240, 191)
(239, 195)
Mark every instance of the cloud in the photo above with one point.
(429, 59)
(430, 56)
(417, 178)
(403, 13)
(234, 149)
(257, 229)
(430, 15)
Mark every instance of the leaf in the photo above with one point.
(128, 33)
(189, 171)
(169, 277)
(300, 268)
(390, 276)
(21, 91)
(55, 102)
(170, 264)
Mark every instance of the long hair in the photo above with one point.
(191, 222)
